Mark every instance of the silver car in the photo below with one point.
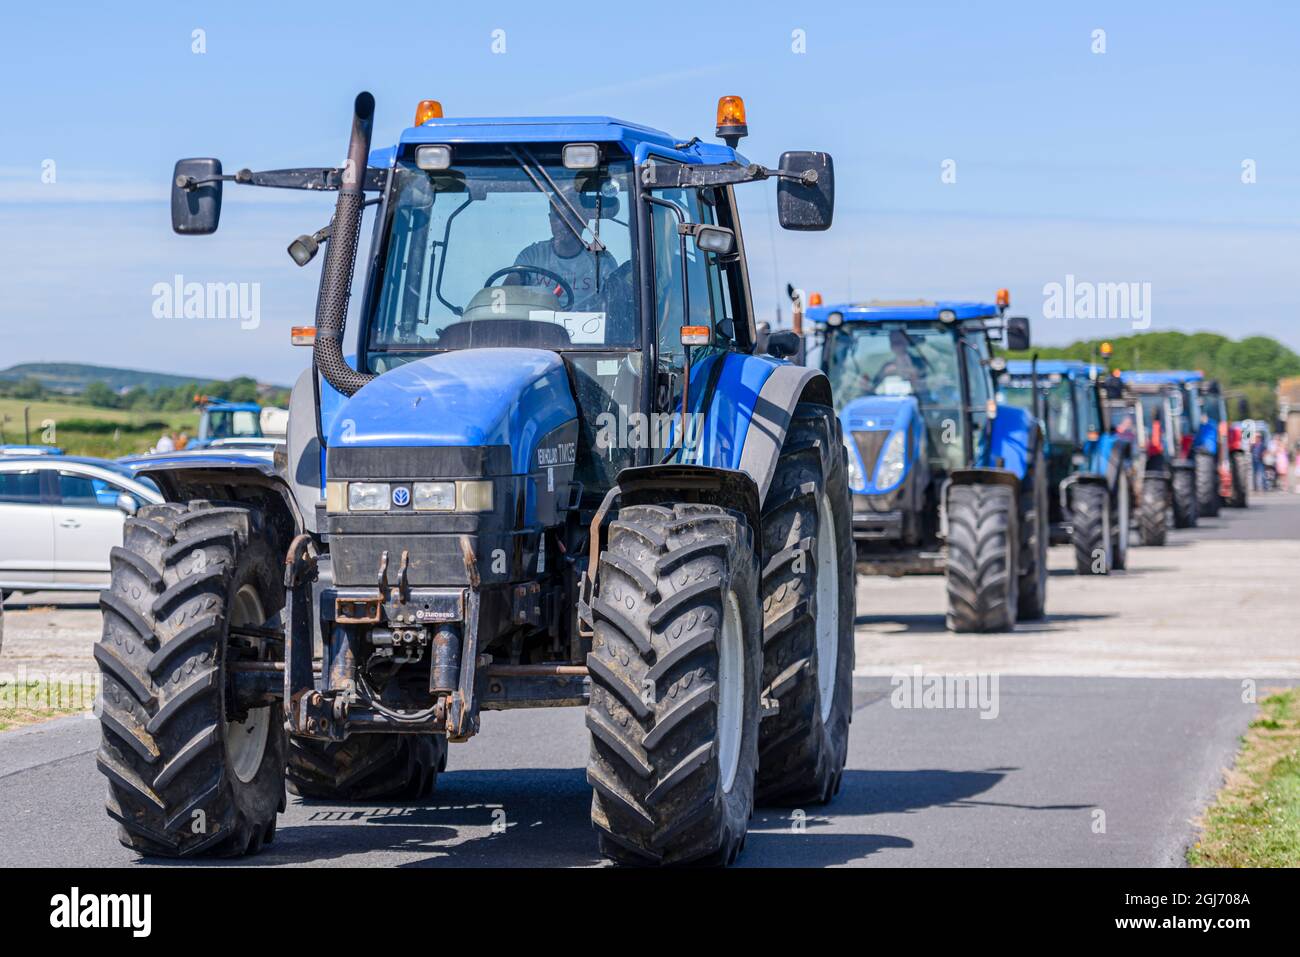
(59, 518)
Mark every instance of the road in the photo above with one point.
(1106, 733)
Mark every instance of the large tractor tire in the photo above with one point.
(1153, 510)
(1242, 473)
(366, 767)
(983, 547)
(1207, 485)
(186, 776)
(1034, 520)
(808, 607)
(1186, 512)
(1121, 514)
(1090, 536)
(675, 667)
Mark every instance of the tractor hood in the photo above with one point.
(871, 423)
(496, 407)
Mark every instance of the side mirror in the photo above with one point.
(714, 239)
(807, 203)
(1017, 333)
(783, 344)
(196, 196)
(126, 503)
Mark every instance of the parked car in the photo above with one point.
(61, 515)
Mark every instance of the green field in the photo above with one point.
(66, 424)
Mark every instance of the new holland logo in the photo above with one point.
(401, 496)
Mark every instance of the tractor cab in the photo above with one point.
(219, 420)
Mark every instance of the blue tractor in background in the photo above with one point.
(221, 420)
(943, 478)
(548, 467)
(1089, 463)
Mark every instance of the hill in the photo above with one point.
(73, 377)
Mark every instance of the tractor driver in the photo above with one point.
(598, 282)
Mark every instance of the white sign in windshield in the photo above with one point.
(585, 328)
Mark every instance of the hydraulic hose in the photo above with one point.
(341, 257)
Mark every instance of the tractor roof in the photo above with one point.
(1162, 377)
(221, 405)
(915, 309)
(1073, 368)
(640, 141)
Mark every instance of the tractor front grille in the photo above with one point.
(869, 445)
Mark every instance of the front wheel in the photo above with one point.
(189, 771)
(1035, 517)
(1090, 532)
(1242, 472)
(983, 545)
(1120, 505)
(675, 667)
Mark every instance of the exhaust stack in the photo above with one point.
(341, 257)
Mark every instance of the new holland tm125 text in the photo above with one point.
(549, 468)
(944, 479)
(1089, 463)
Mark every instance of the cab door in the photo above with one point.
(717, 295)
(26, 529)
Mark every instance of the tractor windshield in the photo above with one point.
(1057, 407)
(507, 247)
(887, 358)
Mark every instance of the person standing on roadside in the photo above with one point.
(1257, 462)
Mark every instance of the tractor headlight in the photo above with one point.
(856, 480)
(368, 496)
(433, 496)
(892, 461)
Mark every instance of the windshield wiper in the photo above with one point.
(554, 197)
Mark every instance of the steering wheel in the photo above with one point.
(559, 280)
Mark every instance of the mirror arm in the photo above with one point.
(687, 176)
(311, 178)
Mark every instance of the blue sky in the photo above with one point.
(1123, 166)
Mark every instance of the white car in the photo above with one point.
(59, 518)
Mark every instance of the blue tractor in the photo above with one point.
(944, 479)
(221, 420)
(547, 468)
(1089, 463)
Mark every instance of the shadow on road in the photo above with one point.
(886, 625)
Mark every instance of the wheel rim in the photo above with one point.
(828, 606)
(731, 692)
(246, 740)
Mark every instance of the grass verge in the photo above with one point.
(25, 701)
(1255, 821)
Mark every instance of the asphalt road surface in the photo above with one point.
(1104, 736)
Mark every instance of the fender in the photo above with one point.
(1010, 437)
(245, 478)
(1081, 478)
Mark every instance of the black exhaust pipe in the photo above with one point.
(341, 257)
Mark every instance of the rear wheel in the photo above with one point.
(675, 667)
(808, 606)
(1153, 509)
(1207, 485)
(367, 766)
(1241, 476)
(1184, 497)
(1089, 533)
(983, 544)
(189, 773)
(1120, 511)
(1034, 533)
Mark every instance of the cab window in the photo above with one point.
(20, 488)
